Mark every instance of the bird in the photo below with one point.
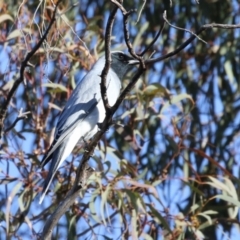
(84, 111)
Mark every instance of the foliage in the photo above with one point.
(169, 167)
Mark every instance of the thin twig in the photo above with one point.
(68, 201)
(222, 26)
(127, 36)
(24, 64)
(182, 29)
(76, 35)
(120, 6)
(96, 225)
(140, 12)
(188, 41)
(154, 40)
(20, 116)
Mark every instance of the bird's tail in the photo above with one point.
(46, 186)
(57, 159)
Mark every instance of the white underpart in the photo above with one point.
(86, 91)
(81, 130)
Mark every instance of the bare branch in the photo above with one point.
(20, 116)
(154, 40)
(126, 35)
(222, 26)
(120, 6)
(73, 193)
(103, 84)
(140, 12)
(73, 31)
(68, 201)
(187, 42)
(182, 29)
(24, 64)
(97, 224)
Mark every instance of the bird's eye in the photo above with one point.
(121, 56)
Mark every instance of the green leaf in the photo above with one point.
(194, 208)
(92, 207)
(56, 86)
(157, 182)
(142, 185)
(177, 99)
(9, 202)
(104, 202)
(206, 216)
(18, 33)
(172, 143)
(231, 188)
(195, 189)
(133, 198)
(120, 200)
(138, 39)
(73, 83)
(143, 173)
(217, 184)
(146, 236)
(134, 220)
(156, 90)
(227, 199)
(72, 227)
(232, 212)
(229, 71)
(199, 235)
(54, 106)
(5, 17)
(8, 85)
(159, 218)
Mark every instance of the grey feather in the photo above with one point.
(83, 111)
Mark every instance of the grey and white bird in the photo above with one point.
(83, 111)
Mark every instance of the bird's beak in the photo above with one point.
(133, 62)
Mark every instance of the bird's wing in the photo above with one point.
(80, 104)
(66, 126)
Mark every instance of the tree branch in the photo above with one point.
(20, 116)
(181, 29)
(68, 201)
(154, 40)
(103, 84)
(5, 104)
(187, 42)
